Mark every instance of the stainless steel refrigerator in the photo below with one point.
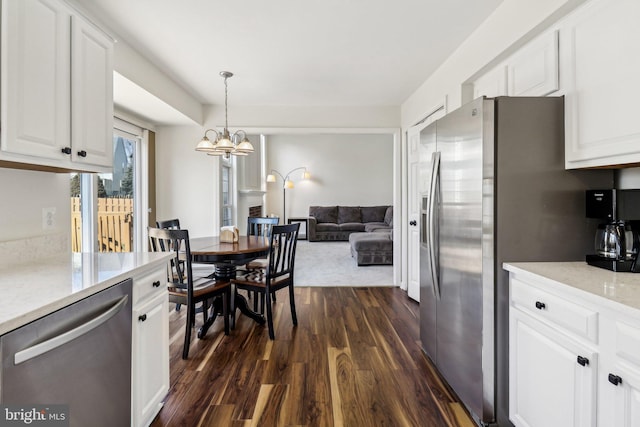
(495, 191)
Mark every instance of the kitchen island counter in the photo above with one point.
(619, 291)
(34, 289)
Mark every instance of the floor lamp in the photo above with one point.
(286, 183)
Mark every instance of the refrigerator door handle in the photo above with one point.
(431, 223)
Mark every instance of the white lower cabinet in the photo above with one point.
(150, 364)
(552, 378)
(572, 361)
(620, 397)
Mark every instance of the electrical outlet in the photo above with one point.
(48, 218)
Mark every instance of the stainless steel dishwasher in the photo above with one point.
(78, 356)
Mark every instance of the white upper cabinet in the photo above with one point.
(91, 94)
(35, 77)
(533, 71)
(600, 67)
(56, 89)
(491, 84)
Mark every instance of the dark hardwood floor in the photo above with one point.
(353, 360)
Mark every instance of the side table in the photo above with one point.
(301, 219)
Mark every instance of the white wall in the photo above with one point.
(304, 117)
(186, 181)
(24, 194)
(628, 178)
(352, 170)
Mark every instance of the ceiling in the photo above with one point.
(291, 52)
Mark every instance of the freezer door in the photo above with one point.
(428, 304)
(460, 318)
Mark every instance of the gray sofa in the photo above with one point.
(338, 222)
(369, 230)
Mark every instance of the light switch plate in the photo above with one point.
(48, 218)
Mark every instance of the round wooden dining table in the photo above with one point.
(226, 257)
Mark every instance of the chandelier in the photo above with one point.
(225, 143)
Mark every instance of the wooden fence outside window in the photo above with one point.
(115, 225)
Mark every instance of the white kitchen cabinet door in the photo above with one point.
(600, 68)
(35, 78)
(533, 71)
(150, 358)
(92, 95)
(552, 379)
(492, 84)
(620, 403)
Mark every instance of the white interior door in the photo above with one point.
(413, 212)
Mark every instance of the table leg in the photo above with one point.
(243, 305)
(228, 272)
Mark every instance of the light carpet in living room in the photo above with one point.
(331, 264)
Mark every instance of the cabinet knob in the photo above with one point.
(540, 305)
(142, 318)
(156, 284)
(66, 150)
(583, 361)
(82, 153)
(614, 379)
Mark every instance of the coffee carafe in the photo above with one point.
(617, 242)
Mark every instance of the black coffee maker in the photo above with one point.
(617, 241)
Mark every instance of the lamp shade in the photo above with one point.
(271, 178)
(306, 175)
(245, 146)
(205, 145)
(288, 184)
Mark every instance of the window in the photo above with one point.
(105, 207)
(227, 195)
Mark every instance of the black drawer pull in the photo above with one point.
(142, 318)
(156, 284)
(66, 150)
(82, 153)
(583, 361)
(540, 305)
(614, 379)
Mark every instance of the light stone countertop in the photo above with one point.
(618, 290)
(37, 288)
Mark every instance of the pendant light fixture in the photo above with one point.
(225, 143)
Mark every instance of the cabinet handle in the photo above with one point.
(82, 153)
(583, 361)
(66, 150)
(614, 379)
(156, 284)
(540, 305)
(142, 318)
(414, 223)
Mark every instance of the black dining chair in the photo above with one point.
(259, 226)
(171, 224)
(278, 274)
(184, 288)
